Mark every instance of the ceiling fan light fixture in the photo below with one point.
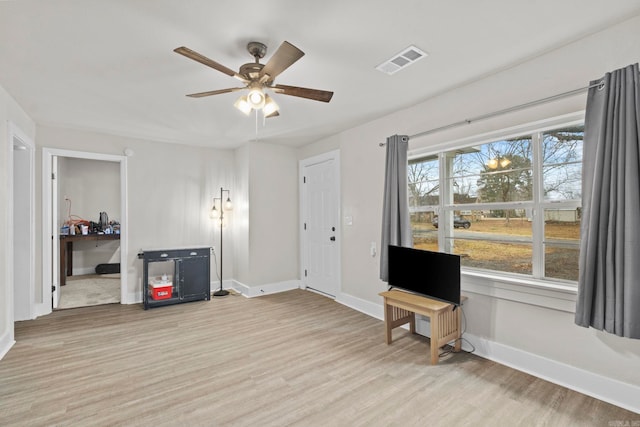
(259, 77)
(270, 106)
(256, 98)
(243, 105)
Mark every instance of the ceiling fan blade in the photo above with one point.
(302, 92)
(284, 57)
(214, 92)
(192, 54)
(274, 114)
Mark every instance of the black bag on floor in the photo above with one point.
(107, 268)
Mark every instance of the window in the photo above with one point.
(424, 199)
(562, 192)
(509, 205)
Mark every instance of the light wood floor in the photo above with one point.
(294, 358)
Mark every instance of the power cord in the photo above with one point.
(215, 260)
(451, 348)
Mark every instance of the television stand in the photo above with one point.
(401, 307)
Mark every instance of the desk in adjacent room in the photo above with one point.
(401, 307)
(66, 251)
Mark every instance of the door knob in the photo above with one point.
(332, 238)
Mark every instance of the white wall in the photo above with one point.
(170, 190)
(93, 186)
(274, 214)
(241, 225)
(499, 325)
(10, 111)
(269, 239)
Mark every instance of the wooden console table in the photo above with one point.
(66, 251)
(401, 307)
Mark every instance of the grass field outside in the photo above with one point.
(561, 261)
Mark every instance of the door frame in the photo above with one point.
(302, 164)
(15, 134)
(52, 234)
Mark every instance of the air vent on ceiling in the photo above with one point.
(402, 60)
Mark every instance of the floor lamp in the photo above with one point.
(219, 213)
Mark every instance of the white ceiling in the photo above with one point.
(108, 66)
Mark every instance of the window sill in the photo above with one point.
(557, 296)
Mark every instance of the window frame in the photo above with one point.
(538, 204)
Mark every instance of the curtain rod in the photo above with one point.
(599, 85)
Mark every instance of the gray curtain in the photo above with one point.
(609, 280)
(396, 228)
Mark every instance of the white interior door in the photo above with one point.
(320, 233)
(55, 229)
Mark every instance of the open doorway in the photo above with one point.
(88, 199)
(77, 188)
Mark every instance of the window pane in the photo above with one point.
(561, 262)
(562, 243)
(425, 235)
(494, 239)
(492, 255)
(495, 172)
(424, 185)
(562, 163)
(502, 224)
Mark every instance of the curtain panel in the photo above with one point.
(396, 226)
(609, 279)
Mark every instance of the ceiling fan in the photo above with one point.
(257, 77)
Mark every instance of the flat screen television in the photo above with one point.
(432, 274)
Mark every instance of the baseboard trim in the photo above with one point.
(226, 284)
(363, 306)
(132, 298)
(266, 289)
(83, 271)
(606, 389)
(600, 387)
(6, 342)
(42, 310)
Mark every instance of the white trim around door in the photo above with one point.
(51, 234)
